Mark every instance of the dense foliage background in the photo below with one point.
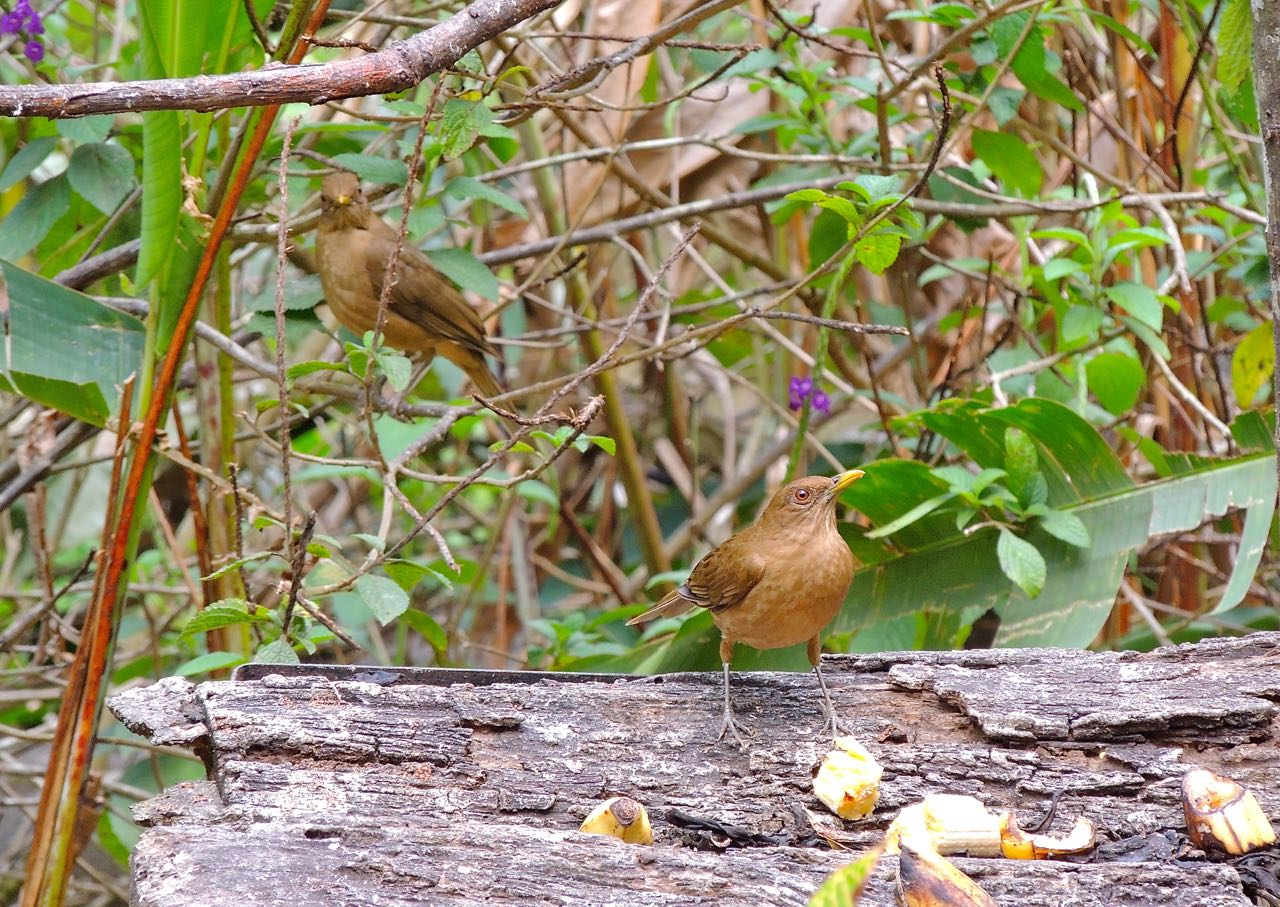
(1065, 438)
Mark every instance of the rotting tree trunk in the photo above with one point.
(396, 787)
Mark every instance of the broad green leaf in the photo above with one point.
(1116, 379)
(427, 627)
(102, 174)
(1030, 64)
(396, 367)
(461, 124)
(384, 597)
(467, 271)
(924, 508)
(225, 613)
(1235, 44)
(1022, 562)
(1252, 362)
(1020, 460)
(1059, 268)
(465, 188)
(1062, 524)
(210, 661)
(29, 157)
(1140, 301)
(98, 347)
(33, 217)
(381, 170)
(876, 187)
(877, 251)
(1009, 159)
(1081, 323)
(85, 129)
(276, 653)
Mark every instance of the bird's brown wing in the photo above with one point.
(422, 295)
(720, 580)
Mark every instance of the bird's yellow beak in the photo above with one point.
(844, 480)
(343, 200)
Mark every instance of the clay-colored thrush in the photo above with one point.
(777, 583)
(425, 313)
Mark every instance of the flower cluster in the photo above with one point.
(25, 20)
(802, 389)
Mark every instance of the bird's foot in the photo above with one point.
(832, 726)
(730, 727)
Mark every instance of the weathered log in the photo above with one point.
(333, 785)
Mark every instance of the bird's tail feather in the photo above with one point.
(486, 382)
(672, 605)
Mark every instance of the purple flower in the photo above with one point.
(821, 402)
(10, 24)
(34, 25)
(34, 51)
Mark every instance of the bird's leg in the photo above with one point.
(729, 725)
(828, 707)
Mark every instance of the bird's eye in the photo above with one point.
(801, 496)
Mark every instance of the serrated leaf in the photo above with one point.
(1235, 44)
(467, 271)
(1011, 160)
(1021, 562)
(278, 652)
(224, 613)
(877, 251)
(381, 170)
(384, 597)
(1252, 362)
(1066, 526)
(102, 174)
(460, 126)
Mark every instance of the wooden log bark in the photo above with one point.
(332, 785)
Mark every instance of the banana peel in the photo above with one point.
(1222, 815)
(848, 781)
(928, 879)
(1017, 844)
(946, 823)
(621, 818)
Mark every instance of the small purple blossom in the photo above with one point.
(34, 25)
(10, 23)
(34, 51)
(801, 389)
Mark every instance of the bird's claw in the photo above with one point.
(729, 726)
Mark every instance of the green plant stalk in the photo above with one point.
(819, 361)
(628, 455)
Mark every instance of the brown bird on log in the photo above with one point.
(777, 583)
(425, 312)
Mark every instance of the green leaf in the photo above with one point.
(875, 187)
(465, 188)
(98, 347)
(1030, 64)
(1116, 379)
(224, 613)
(396, 367)
(1235, 44)
(1009, 159)
(276, 653)
(85, 129)
(1140, 301)
(533, 490)
(1081, 323)
(102, 174)
(161, 191)
(384, 597)
(1252, 362)
(1022, 562)
(427, 627)
(408, 574)
(467, 271)
(1066, 526)
(843, 887)
(1020, 460)
(460, 126)
(33, 217)
(374, 169)
(877, 251)
(923, 509)
(240, 562)
(29, 157)
(1059, 268)
(210, 661)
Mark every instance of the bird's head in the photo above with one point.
(340, 197)
(808, 501)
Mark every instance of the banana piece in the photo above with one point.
(622, 818)
(1222, 815)
(927, 879)
(1016, 844)
(946, 823)
(848, 781)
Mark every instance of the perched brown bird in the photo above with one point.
(425, 313)
(777, 583)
